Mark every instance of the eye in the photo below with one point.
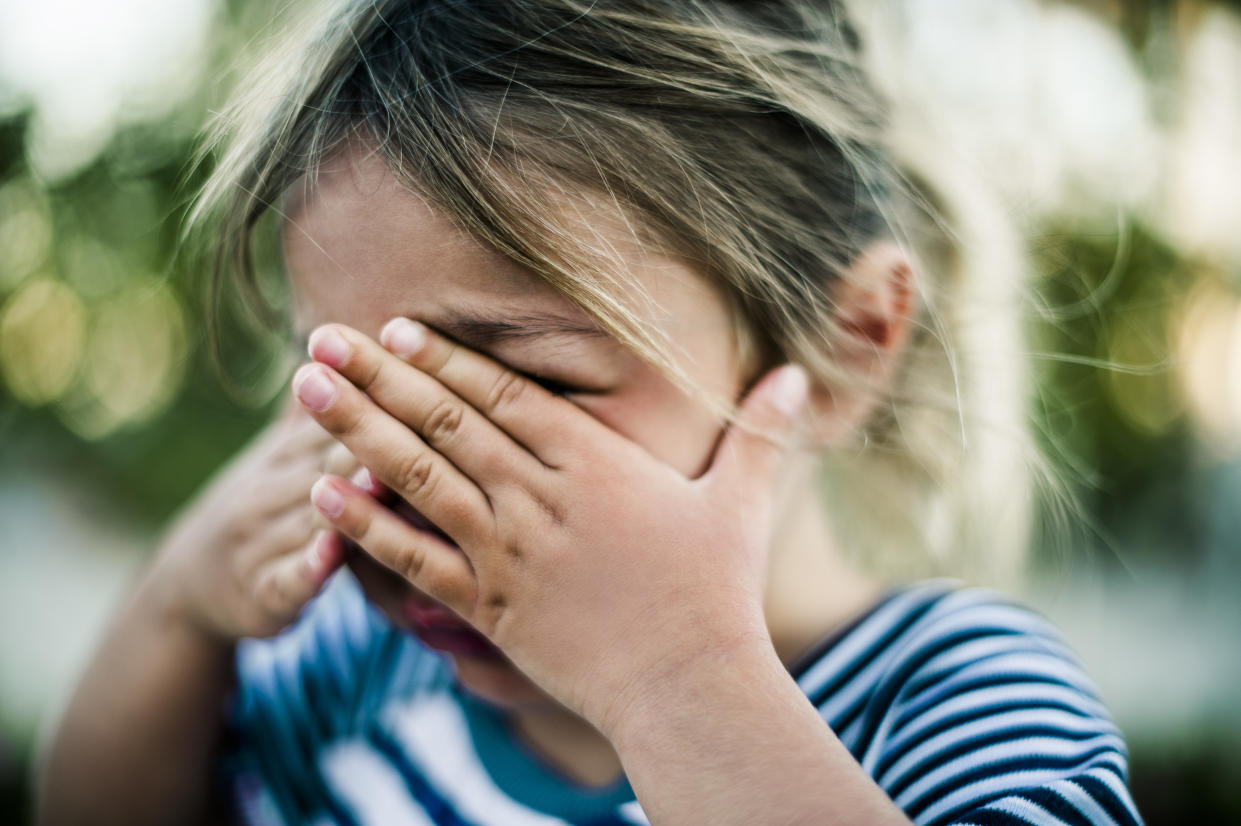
(556, 388)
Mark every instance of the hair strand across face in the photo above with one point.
(743, 138)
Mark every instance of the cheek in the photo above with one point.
(679, 431)
(499, 683)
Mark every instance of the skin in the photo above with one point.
(622, 510)
(241, 560)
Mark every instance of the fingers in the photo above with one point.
(541, 421)
(394, 454)
(339, 461)
(423, 559)
(297, 436)
(271, 493)
(287, 582)
(445, 422)
(289, 529)
(750, 453)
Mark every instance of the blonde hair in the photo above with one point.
(742, 137)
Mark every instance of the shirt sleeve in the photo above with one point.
(984, 717)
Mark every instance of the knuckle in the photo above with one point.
(272, 596)
(410, 560)
(443, 422)
(370, 372)
(456, 510)
(240, 531)
(496, 464)
(297, 529)
(492, 610)
(416, 476)
(551, 512)
(506, 390)
(439, 585)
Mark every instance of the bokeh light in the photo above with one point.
(1203, 206)
(91, 67)
(1208, 352)
(134, 363)
(42, 330)
(25, 231)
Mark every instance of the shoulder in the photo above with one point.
(339, 658)
(963, 703)
(323, 680)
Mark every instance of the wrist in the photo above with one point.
(681, 684)
(168, 605)
(736, 734)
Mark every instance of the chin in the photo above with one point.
(480, 668)
(498, 683)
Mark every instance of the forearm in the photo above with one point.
(731, 739)
(136, 741)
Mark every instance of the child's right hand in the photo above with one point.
(244, 558)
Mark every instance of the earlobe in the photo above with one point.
(875, 305)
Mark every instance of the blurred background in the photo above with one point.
(1111, 128)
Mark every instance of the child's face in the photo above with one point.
(361, 249)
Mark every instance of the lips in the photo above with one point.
(443, 630)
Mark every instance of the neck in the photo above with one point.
(811, 589)
(571, 745)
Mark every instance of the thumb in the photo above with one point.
(753, 446)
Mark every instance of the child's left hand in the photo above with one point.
(600, 571)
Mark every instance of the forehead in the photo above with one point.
(355, 235)
(361, 247)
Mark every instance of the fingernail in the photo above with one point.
(403, 336)
(328, 346)
(316, 550)
(789, 393)
(313, 387)
(363, 479)
(325, 497)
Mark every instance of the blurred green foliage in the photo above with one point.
(114, 229)
(1109, 408)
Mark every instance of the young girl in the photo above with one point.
(590, 291)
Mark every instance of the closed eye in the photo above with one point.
(556, 388)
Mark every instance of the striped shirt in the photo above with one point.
(964, 708)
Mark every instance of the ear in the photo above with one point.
(874, 302)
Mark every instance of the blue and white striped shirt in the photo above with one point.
(965, 709)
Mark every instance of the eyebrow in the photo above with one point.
(480, 331)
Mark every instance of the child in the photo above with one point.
(590, 290)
